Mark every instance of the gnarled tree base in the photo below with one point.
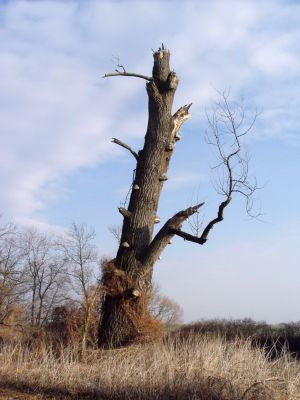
(127, 321)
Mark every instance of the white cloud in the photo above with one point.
(57, 115)
(275, 61)
(55, 112)
(42, 226)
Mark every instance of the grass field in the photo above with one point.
(198, 367)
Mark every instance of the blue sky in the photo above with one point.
(57, 164)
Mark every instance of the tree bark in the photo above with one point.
(128, 277)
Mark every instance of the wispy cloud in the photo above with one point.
(57, 115)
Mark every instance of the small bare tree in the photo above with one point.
(82, 258)
(10, 273)
(116, 231)
(45, 274)
(164, 309)
(127, 288)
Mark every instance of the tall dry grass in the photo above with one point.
(199, 367)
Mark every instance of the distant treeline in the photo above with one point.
(273, 338)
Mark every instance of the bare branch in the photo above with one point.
(120, 73)
(187, 236)
(219, 218)
(122, 144)
(228, 123)
(203, 238)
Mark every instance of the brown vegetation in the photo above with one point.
(199, 367)
(50, 288)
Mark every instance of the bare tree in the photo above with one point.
(45, 274)
(128, 282)
(116, 231)
(10, 272)
(165, 309)
(83, 264)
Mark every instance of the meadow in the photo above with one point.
(186, 365)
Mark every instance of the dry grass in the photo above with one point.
(197, 368)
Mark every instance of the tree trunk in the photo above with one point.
(128, 278)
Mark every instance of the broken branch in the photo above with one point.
(122, 144)
(124, 212)
(165, 234)
(203, 238)
(181, 115)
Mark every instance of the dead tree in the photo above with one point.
(127, 279)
